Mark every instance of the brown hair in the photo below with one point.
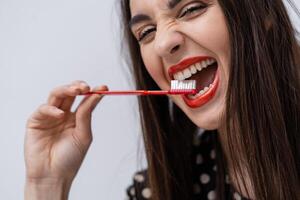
(262, 108)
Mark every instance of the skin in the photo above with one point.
(57, 141)
(202, 33)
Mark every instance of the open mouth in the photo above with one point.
(202, 69)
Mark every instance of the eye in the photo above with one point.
(146, 33)
(192, 10)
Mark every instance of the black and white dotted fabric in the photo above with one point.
(204, 179)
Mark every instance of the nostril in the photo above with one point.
(174, 49)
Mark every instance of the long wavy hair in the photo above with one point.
(262, 108)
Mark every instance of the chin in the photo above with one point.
(208, 117)
(207, 124)
(207, 121)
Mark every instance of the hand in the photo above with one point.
(57, 139)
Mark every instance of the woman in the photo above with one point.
(244, 52)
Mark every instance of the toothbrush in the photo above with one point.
(177, 87)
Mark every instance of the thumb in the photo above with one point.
(85, 109)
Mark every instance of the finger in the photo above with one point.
(63, 97)
(82, 87)
(59, 94)
(46, 112)
(85, 109)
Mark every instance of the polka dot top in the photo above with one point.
(204, 167)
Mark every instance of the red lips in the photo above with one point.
(202, 99)
(185, 64)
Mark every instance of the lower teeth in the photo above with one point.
(201, 92)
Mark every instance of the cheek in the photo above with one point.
(154, 67)
(211, 33)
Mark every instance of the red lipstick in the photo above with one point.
(203, 99)
(185, 64)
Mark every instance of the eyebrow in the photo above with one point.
(138, 19)
(142, 17)
(173, 3)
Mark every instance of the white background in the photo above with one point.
(44, 44)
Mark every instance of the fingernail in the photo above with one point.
(102, 87)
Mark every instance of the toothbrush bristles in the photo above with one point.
(185, 86)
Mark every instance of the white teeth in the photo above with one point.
(188, 72)
(176, 76)
(198, 66)
(203, 64)
(180, 76)
(201, 92)
(193, 69)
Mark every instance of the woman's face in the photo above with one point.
(186, 39)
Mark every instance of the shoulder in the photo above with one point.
(139, 189)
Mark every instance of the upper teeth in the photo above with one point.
(188, 72)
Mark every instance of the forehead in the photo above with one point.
(139, 6)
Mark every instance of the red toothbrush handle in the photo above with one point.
(140, 92)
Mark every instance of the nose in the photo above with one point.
(168, 42)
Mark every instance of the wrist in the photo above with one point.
(47, 189)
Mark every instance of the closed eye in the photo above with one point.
(191, 10)
(145, 33)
